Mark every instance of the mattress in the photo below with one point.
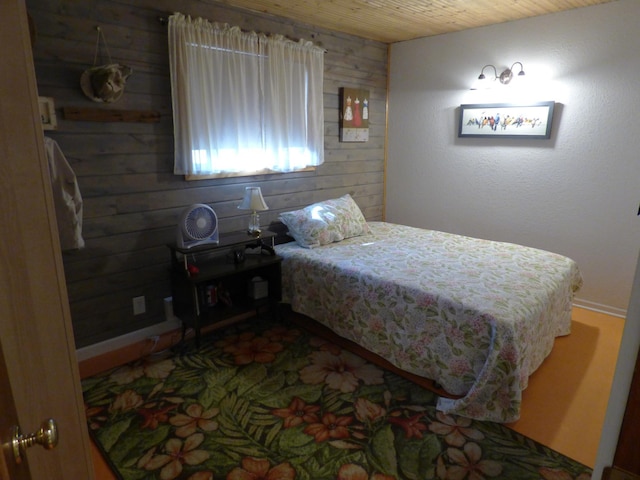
(476, 316)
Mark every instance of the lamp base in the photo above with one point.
(254, 225)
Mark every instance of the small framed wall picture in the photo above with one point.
(47, 113)
(506, 120)
(354, 115)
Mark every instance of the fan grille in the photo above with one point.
(200, 223)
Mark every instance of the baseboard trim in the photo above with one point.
(152, 333)
(148, 333)
(600, 308)
(141, 344)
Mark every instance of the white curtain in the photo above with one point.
(243, 102)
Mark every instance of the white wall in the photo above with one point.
(576, 194)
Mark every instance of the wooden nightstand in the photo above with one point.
(212, 284)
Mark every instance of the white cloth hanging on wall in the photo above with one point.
(66, 196)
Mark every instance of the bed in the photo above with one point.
(476, 316)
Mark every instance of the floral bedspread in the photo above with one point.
(476, 316)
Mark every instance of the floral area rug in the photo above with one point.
(271, 401)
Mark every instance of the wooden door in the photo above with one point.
(8, 467)
(626, 459)
(36, 338)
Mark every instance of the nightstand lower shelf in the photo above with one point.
(222, 291)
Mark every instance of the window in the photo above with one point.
(243, 103)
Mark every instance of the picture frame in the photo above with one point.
(506, 120)
(47, 113)
(354, 115)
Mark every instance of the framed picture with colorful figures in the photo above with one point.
(354, 115)
(506, 120)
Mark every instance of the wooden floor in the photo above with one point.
(565, 403)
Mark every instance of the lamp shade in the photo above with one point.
(253, 200)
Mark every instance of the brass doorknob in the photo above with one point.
(47, 436)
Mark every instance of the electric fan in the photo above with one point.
(198, 226)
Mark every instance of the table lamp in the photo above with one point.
(253, 201)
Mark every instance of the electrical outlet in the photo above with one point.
(139, 305)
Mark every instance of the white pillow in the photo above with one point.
(326, 222)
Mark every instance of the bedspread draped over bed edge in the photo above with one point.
(476, 316)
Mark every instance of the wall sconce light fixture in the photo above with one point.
(505, 77)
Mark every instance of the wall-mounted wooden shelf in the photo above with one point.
(103, 115)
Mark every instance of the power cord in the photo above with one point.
(154, 339)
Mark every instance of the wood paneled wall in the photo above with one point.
(124, 169)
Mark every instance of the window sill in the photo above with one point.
(243, 174)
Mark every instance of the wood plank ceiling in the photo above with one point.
(392, 21)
